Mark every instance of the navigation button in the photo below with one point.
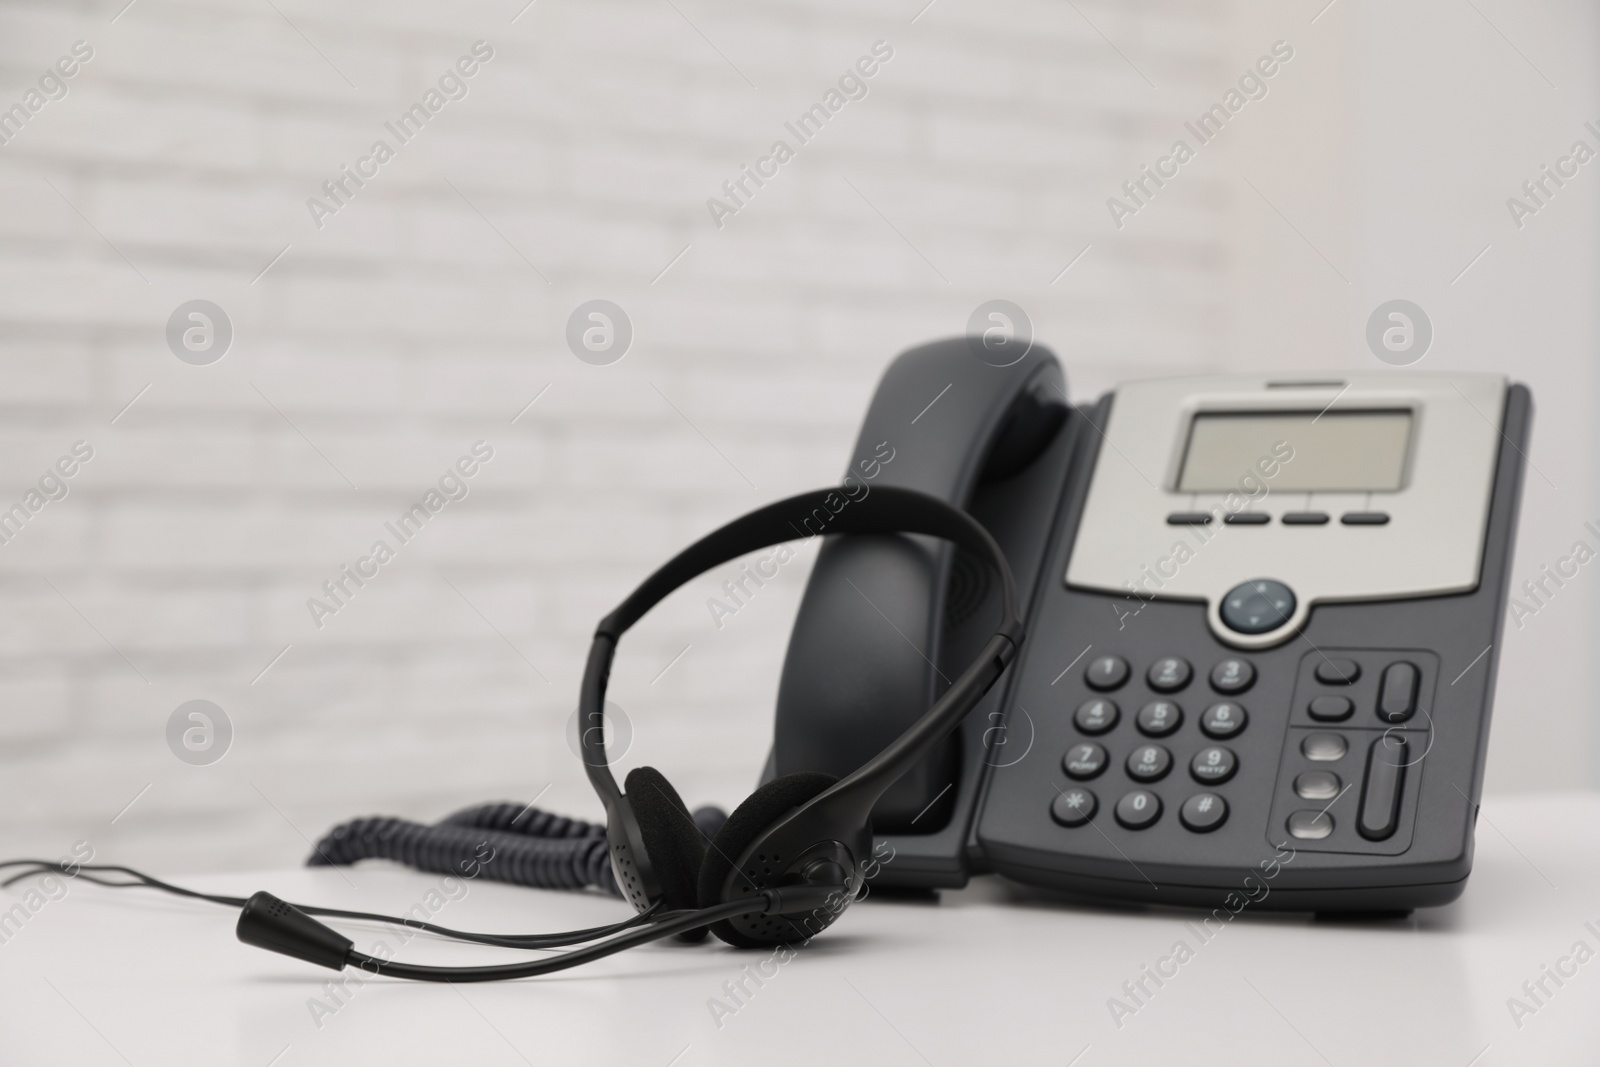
(1189, 518)
(1305, 518)
(1248, 518)
(1257, 607)
(1365, 518)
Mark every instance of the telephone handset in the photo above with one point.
(1263, 619)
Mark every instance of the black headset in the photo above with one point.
(805, 829)
(784, 865)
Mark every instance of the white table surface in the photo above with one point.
(991, 974)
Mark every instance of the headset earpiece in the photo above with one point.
(750, 820)
(672, 843)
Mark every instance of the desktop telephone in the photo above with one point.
(1242, 621)
(1262, 612)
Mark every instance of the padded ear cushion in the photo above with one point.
(675, 847)
(760, 810)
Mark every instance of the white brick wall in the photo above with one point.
(407, 328)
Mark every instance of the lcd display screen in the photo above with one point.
(1333, 451)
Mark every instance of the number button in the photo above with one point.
(1084, 761)
(1233, 676)
(1106, 673)
(1223, 720)
(1138, 809)
(1159, 718)
(1149, 763)
(1203, 812)
(1169, 674)
(1074, 807)
(1213, 765)
(1096, 716)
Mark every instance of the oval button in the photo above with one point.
(1324, 748)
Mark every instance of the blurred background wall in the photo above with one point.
(374, 345)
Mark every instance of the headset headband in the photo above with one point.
(884, 510)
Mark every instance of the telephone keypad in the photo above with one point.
(1149, 763)
(1096, 716)
(1213, 765)
(1159, 718)
(1169, 674)
(1223, 720)
(1106, 673)
(1139, 809)
(1084, 761)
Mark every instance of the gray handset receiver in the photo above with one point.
(1263, 620)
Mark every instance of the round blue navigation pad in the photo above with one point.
(1257, 607)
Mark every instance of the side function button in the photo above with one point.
(1149, 763)
(1323, 748)
(1159, 718)
(1317, 785)
(1310, 825)
(1233, 676)
(1257, 607)
(1138, 809)
(1380, 793)
(1305, 518)
(1084, 761)
(1096, 716)
(1365, 518)
(1337, 671)
(1169, 674)
(1397, 695)
(1189, 518)
(1223, 720)
(1074, 807)
(1330, 709)
(1203, 812)
(1106, 673)
(1248, 518)
(1213, 765)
